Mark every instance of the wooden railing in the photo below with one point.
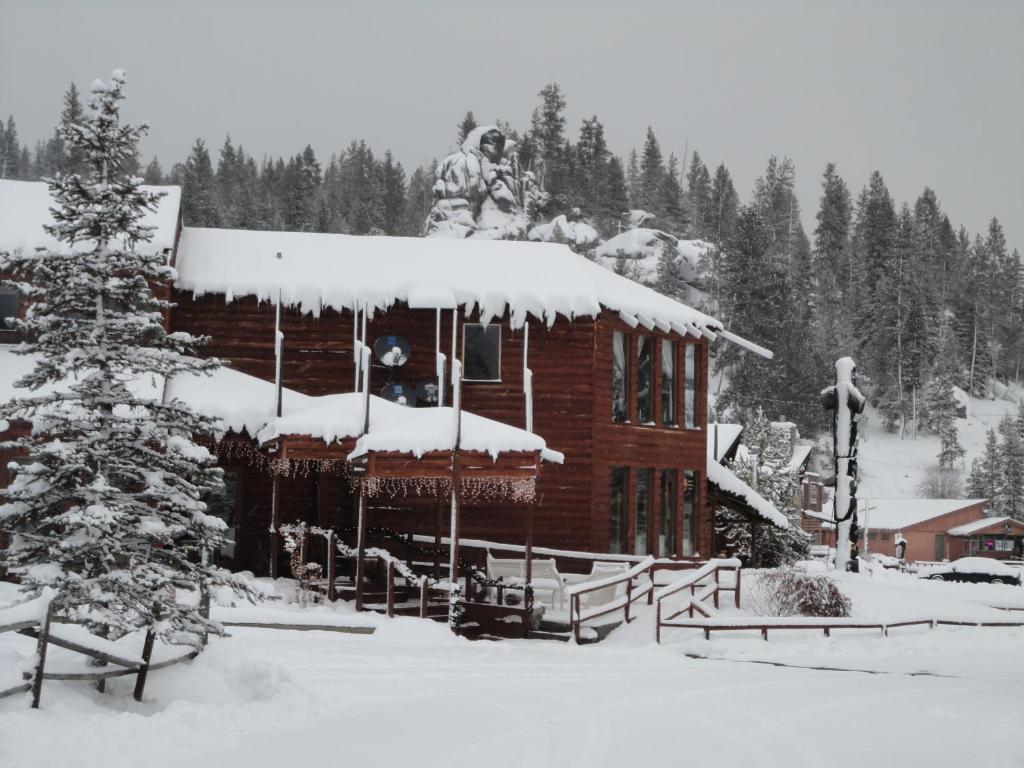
(704, 582)
(825, 624)
(633, 592)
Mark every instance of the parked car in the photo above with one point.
(974, 569)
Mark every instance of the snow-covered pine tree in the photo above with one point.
(941, 407)
(1012, 464)
(670, 280)
(109, 511)
(985, 480)
(761, 466)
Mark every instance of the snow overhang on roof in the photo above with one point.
(246, 403)
(313, 271)
(726, 480)
(25, 209)
(987, 525)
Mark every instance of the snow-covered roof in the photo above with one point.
(724, 478)
(25, 208)
(894, 514)
(248, 403)
(977, 526)
(798, 459)
(326, 270)
(727, 434)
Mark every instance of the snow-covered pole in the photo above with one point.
(439, 361)
(527, 378)
(846, 403)
(356, 357)
(364, 364)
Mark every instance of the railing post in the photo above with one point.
(424, 591)
(629, 597)
(657, 626)
(738, 571)
(41, 644)
(332, 565)
(717, 586)
(391, 588)
(147, 652)
(575, 611)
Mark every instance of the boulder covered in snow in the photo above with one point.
(643, 247)
(578, 235)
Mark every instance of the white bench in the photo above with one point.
(544, 576)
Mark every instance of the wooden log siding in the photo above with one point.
(571, 364)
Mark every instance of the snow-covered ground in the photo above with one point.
(893, 468)
(413, 694)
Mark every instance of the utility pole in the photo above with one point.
(846, 403)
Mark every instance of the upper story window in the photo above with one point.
(669, 382)
(620, 377)
(644, 379)
(690, 372)
(481, 352)
(8, 309)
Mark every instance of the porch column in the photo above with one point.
(275, 522)
(438, 526)
(361, 545)
(530, 508)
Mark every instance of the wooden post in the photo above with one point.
(275, 522)
(424, 592)
(361, 546)
(629, 598)
(528, 565)
(41, 644)
(575, 611)
(717, 585)
(438, 525)
(147, 652)
(332, 567)
(657, 626)
(391, 589)
(764, 633)
(738, 571)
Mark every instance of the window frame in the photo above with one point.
(647, 473)
(690, 374)
(623, 516)
(6, 291)
(651, 400)
(668, 519)
(465, 377)
(672, 390)
(627, 383)
(691, 485)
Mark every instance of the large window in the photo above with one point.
(690, 395)
(644, 379)
(618, 515)
(690, 514)
(481, 352)
(222, 504)
(620, 377)
(669, 417)
(8, 309)
(668, 521)
(644, 481)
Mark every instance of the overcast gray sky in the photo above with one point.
(930, 93)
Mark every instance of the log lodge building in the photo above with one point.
(582, 395)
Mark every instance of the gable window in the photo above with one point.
(690, 514)
(481, 352)
(618, 513)
(644, 379)
(620, 377)
(669, 417)
(644, 481)
(8, 309)
(690, 394)
(667, 535)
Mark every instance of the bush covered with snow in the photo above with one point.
(793, 592)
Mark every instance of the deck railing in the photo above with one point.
(704, 582)
(637, 583)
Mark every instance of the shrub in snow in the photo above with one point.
(792, 592)
(109, 511)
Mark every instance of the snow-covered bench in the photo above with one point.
(544, 576)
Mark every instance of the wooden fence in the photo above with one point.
(704, 583)
(35, 619)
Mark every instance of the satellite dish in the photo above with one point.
(427, 391)
(393, 351)
(403, 394)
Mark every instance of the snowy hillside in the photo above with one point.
(893, 468)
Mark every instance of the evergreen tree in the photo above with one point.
(1012, 466)
(941, 407)
(393, 194)
(198, 196)
(633, 179)
(419, 198)
(670, 200)
(60, 157)
(10, 151)
(669, 280)
(465, 127)
(108, 513)
(154, 174)
(616, 204)
(698, 192)
(652, 175)
(986, 478)
(832, 263)
(547, 133)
